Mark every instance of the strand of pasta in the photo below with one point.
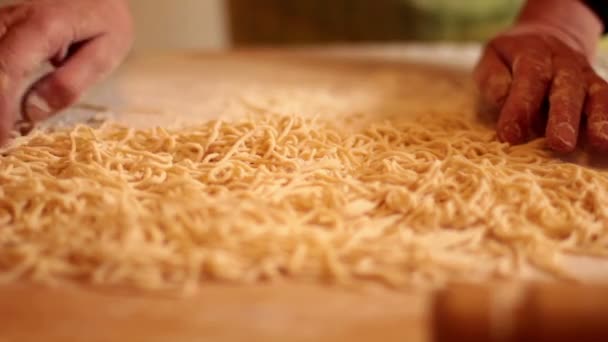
(400, 202)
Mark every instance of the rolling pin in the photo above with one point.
(522, 313)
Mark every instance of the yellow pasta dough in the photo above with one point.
(398, 203)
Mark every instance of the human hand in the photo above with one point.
(84, 40)
(534, 65)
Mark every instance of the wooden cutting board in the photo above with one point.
(181, 88)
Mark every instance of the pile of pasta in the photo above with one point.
(399, 203)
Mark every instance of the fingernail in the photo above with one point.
(564, 137)
(511, 133)
(36, 108)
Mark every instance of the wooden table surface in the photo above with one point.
(180, 88)
(216, 313)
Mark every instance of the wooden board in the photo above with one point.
(181, 88)
(217, 313)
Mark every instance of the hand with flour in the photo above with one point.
(83, 40)
(538, 75)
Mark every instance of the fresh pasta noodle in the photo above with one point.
(399, 203)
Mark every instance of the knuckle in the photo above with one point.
(46, 23)
(4, 25)
(598, 86)
(480, 74)
(501, 42)
(124, 26)
(12, 64)
(499, 82)
(129, 29)
(568, 78)
(534, 61)
(496, 88)
(100, 64)
(106, 59)
(12, 15)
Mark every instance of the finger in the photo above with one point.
(62, 87)
(493, 78)
(9, 16)
(566, 100)
(521, 112)
(34, 34)
(596, 110)
(8, 110)
(24, 46)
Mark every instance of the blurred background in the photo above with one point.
(221, 24)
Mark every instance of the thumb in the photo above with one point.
(48, 96)
(63, 87)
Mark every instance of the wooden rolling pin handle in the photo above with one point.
(535, 313)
